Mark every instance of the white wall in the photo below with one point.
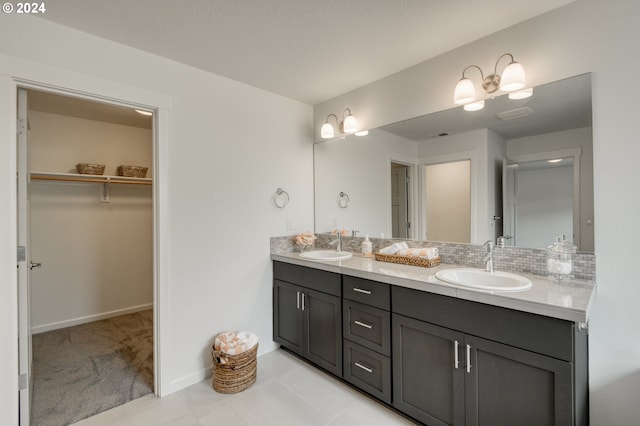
(359, 167)
(229, 147)
(97, 257)
(585, 36)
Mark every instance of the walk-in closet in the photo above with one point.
(91, 251)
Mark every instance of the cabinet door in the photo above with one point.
(323, 330)
(510, 386)
(287, 316)
(428, 383)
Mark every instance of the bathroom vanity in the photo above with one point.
(440, 353)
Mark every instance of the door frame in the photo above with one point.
(113, 93)
(412, 191)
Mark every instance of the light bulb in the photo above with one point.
(326, 131)
(521, 94)
(474, 106)
(465, 92)
(350, 124)
(512, 78)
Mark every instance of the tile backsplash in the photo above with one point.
(511, 259)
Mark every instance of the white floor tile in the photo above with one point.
(288, 391)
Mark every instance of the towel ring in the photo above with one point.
(343, 200)
(280, 198)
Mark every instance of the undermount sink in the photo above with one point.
(326, 255)
(481, 279)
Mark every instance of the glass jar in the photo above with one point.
(559, 258)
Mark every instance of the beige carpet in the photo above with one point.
(86, 369)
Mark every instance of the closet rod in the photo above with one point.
(98, 180)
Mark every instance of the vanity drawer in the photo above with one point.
(366, 325)
(368, 370)
(367, 292)
(315, 279)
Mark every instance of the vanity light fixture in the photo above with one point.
(511, 80)
(348, 125)
(147, 113)
(555, 160)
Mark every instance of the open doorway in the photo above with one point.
(91, 242)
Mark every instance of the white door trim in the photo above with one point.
(160, 104)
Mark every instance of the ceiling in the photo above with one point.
(308, 50)
(89, 110)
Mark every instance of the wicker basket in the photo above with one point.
(90, 169)
(132, 171)
(408, 260)
(234, 373)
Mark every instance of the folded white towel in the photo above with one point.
(394, 248)
(423, 253)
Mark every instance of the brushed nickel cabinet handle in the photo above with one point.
(364, 367)
(359, 290)
(468, 358)
(362, 324)
(456, 356)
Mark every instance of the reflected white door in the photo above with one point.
(448, 201)
(399, 201)
(24, 262)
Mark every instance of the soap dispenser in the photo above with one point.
(367, 247)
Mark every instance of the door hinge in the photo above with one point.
(22, 253)
(21, 126)
(23, 381)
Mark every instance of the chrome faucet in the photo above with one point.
(489, 256)
(337, 241)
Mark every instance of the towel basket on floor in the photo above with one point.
(234, 373)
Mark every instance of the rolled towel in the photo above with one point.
(394, 248)
(424, 253)
(231, 343)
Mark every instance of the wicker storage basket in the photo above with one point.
(234, 373)
(132, 171)
(408, 260)
(90, 169)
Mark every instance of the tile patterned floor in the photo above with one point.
(288, 391)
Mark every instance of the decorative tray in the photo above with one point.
(408, 260)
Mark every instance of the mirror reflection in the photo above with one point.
(463, 176)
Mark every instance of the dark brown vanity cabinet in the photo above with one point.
(307, 317)
(440, 360)
(367, 336)
(457, 362)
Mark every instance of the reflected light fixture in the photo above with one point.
(511, 80)
(348, 125)
(140, 111)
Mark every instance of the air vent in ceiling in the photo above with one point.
(514, 113)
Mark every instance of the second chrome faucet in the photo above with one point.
(488, 258)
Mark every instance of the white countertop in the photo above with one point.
(569, 301)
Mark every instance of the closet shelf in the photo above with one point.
(73, 177)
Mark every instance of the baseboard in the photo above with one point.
(206, 373)
(89, 318)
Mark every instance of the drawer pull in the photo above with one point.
(359, 290)
(362, 324)
(364, 367)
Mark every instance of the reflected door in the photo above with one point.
(448, 201)
(399, 201)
